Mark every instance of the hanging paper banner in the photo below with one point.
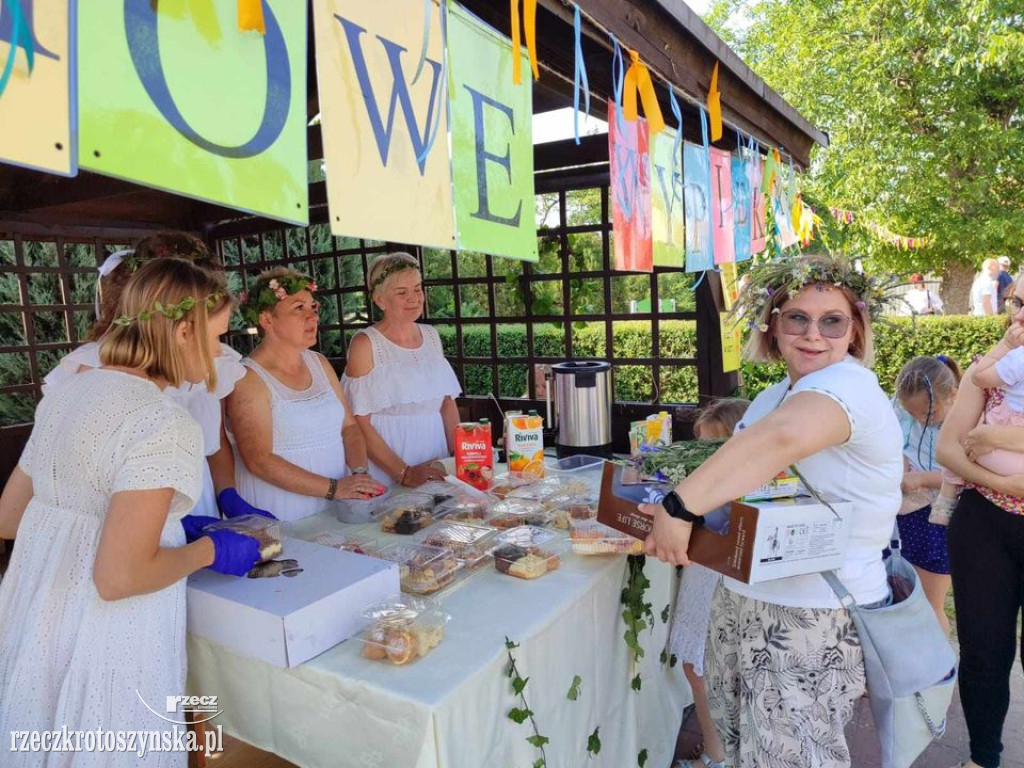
(781, 211)
(164, 107)
(667, 218)
(492, 143)
(758, 226)
(385, 136)
(697, 206)
(742, 205)
(630, 191)
(721, 206)
(732, 342)
(37, 98)
(730, 285)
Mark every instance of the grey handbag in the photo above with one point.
(908, 660)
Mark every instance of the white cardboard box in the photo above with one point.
(762, 540)
(287, 621)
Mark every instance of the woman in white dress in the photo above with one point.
(218, 492)
(92, 608)
(401, 387)
(299, 446)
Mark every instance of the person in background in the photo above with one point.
(692, 615)
(925, 391)
(784, 665)
(920, 299)
(219, 496)
(986, 554)
(92, 607)
(401, 387)
(983, 290)
(299, 445)
(1003, 283)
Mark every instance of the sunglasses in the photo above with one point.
(796, 323)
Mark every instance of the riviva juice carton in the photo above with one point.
(524, 443)
(474, 457)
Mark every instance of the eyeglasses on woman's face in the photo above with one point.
(1014, 304)
(832, 325)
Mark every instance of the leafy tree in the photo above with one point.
(922, 102)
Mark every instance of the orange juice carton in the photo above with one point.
(474, 457)
(524, 444)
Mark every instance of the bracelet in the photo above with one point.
(401, 479)
(332, 490)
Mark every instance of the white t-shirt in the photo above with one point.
(921, 301)
(865, 470)
(1010, 368)
(983, 286)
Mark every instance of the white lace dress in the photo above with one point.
(403, 395)
(692, 615)
(307, 432)
(67, 657)
(204, 406)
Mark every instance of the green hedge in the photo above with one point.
(896, 341)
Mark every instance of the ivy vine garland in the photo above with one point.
(266, 292)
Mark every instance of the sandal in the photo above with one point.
(704, 759)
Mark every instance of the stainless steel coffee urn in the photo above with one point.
(583, 407)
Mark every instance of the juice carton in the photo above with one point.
(659, 430)
(474, 457)
(524, 444)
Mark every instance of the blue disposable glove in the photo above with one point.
(194, 524)
(235, 554)
(232, 505)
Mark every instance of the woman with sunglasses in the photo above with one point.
(986, 531)
(783, 662)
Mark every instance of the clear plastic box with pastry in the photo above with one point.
(566, 510)
(406, 513)
(527, 552)
(422, 570)
(512, 513)
(348, 542)
(471, 544)
(266, 531)
(590, 537)
(403, 629)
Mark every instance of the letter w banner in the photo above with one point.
(492, 143)
(630, 190)
(37, 95)
(667, 199)
(167, 102)
(385, 132)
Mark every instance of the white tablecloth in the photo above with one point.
(449, 708)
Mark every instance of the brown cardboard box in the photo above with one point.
(747, 541)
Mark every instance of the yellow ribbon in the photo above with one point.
(530, 22)
(250, 16)
(715, 106)
(638, 78)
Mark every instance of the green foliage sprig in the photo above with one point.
(266, 292)
(173, 312)
(523, 713)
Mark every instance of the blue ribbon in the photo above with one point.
(425, 40)
(618, 76)
(20, 35)
(678, 115)
(707, 159)
(579, 78)
(442, 102)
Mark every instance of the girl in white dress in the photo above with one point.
(692, 614)
(92, 609)
(399, 383)
(218, 492)
(299, 446)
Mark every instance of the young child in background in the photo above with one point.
(693, 603)
(1002, 368)
(925, 391)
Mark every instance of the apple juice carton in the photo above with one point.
(474, 457)
(524, 442)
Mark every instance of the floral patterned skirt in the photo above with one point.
(782, 682)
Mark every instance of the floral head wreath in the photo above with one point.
(388, 271)
(266, 293)
(787, 276)
(173, 312)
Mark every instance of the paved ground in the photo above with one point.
(951, 748)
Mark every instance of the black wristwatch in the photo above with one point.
(677, 509)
